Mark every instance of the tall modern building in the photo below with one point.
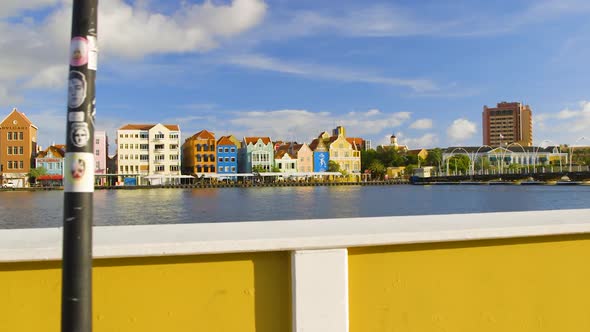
(507, 123)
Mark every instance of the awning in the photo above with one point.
(48, 177)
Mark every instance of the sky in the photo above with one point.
(422, 70)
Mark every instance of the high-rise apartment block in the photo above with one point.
(148, 149)
(507, 123)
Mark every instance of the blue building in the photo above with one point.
(227, 155)
(321, 155)
(52, 159)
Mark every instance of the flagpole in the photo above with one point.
(76, 296)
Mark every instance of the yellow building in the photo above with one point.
(199, 153)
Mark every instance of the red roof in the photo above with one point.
(253, 140)
(225, 141)
(204, 134)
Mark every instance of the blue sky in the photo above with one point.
(291, 69)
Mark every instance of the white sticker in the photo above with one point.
(79, 172)
(92, 52)
(76, 116)
(76, 89)
(78, 51)
(79, 134)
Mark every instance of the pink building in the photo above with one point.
(101, 149)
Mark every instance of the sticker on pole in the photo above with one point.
(76, 89)
(78, 51)
(92, 52)
(79, 172)
(79, 134)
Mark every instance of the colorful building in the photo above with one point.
(285, 161)
(18, 147)
(321, 156)
(256, 153)
(52, 159)
(227, 155)
(101, 149)
(199, 154)
(304, 157)
(507, 123)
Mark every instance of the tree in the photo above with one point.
(377, 169)
(34, 173)
(459, 162)
(258, 169)
(333, 166)
(434, 157)
(275, 169)
(367, 157)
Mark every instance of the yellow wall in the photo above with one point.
(230, 292)
(539, 284)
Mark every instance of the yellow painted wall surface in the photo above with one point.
(230, 292)
(538, 284)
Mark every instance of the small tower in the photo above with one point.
(393, 141)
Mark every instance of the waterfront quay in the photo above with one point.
(509, 178)
(524, 271)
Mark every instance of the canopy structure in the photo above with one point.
(49, 177)
(166, 179)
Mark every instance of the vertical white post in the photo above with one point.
(320, 290)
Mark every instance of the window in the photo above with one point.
(159, 136)
(174, 168)
(220, 159)
(10, 165)
(97, 152)
(136, 135)
(212, 169)
(20, 164)
(126, 146)
(20, 136)
(233, 159)
(173, 136)
(205, 147)
(136, 168)
(144, 135)
(143, 146)
(226, 169)
(220, 150)
(233, 149)
(212, 157)
(212, 147)
(21, 150)
(127, 169)
(199, 158)
(9, 150)
(160, 168)
(173, 157)
(227, 150)
(121, 136)
(159, 146)
(206, 169)
(160, 157)
(198, 147)
(97, 141)
(226, 159)
(144, 157)
(199, 168)
(205, 158)
(173, 146)
(97, 165)
(233, 169)
(121, 146)
(9, 136)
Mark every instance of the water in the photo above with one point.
(167, 206)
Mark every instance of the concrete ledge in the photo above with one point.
(208, 238)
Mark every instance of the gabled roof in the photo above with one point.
(21, 115)
(57, 150)
(281, 153)
(147, 127)
(225, 140)
(203, 134)
(254, 139)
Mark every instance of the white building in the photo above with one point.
(148, 149)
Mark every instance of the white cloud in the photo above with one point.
(34, 51)
(423, 142)
(256, 61)
(422, 124)
(461, 130)
(304, 125)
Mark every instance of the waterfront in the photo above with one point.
(169, 206)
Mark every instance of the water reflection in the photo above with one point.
(165, 206)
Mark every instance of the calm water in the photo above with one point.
(164, 206)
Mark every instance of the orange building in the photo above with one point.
(507, 123)
(18, 147)
(199, 153)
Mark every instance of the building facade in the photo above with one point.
(321, 156)
(304, 157)
(101, 150)
(18, 148)
(52, 159)
(285, 162)
(199, 154)
(227, 156)
(507, 123)
(144, 150)
(256, 153)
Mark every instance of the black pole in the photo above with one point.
(76, 305)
